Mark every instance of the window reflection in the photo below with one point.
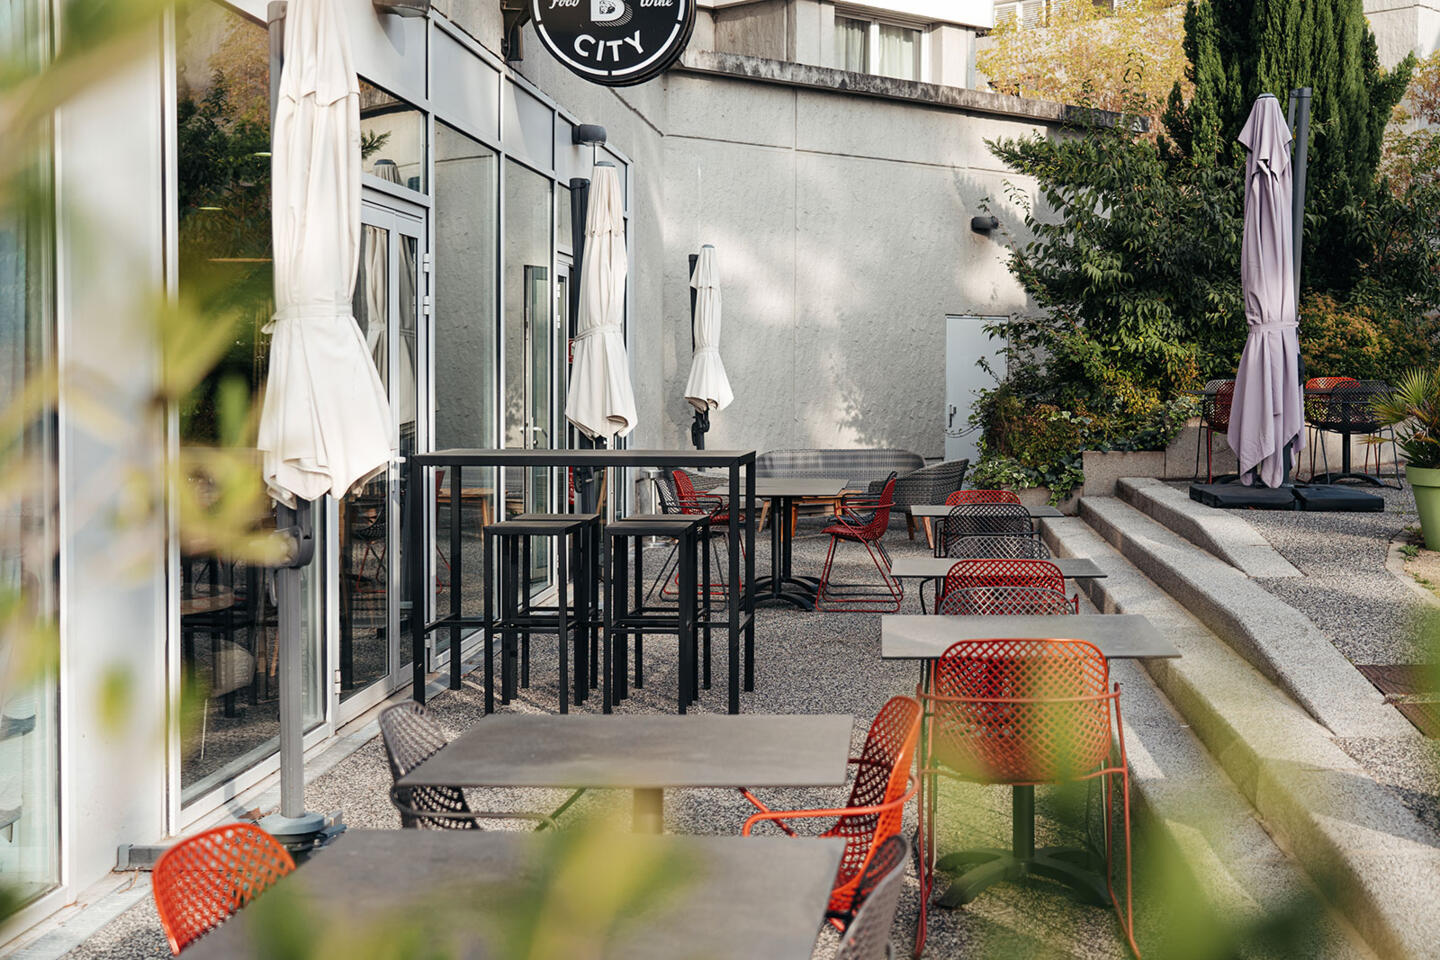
(227, 618)
(392, 138)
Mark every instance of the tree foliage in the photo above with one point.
(1239, 49)
(1086, 54)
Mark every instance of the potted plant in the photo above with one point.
(1412, 409)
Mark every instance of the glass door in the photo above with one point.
(529, 344)
(372, 599)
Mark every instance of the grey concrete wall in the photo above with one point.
(756, 30)
(842, 228)
(1404, 26)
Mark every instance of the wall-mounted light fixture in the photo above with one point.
(402, 8)
(984, 224)
(589, 133)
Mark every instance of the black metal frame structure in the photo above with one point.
(739, 608)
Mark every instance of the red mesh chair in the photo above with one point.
(682, 497)
(1002, 587)
(861, 520)
(1022, 713)
(201, 881)
(878, 796)
(866, 934)
(980, 496)
(1215, 404)
(999, 546)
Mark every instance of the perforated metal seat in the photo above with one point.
(1000, 587)
(201, 881)
(867, 931)
(997, 519)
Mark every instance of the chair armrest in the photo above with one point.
(781, 816)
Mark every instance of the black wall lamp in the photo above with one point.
(984, 224)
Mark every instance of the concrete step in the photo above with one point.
(1363, 849)
(1276, 638)
(1224, 534)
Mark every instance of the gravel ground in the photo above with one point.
(806, 663)
(1368, 614)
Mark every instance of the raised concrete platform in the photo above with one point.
(1226, 535)
(1276, 638)
(1366, 852)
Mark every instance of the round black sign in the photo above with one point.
(614, 42)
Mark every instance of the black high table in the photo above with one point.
(740, 604)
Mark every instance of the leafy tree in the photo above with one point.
(1239, 49)
(1086, 54)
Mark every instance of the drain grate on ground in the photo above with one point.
(1405, 685)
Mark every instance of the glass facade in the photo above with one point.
(29, 715)
(230, 711)
(392, 138)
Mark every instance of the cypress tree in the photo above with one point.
(1239, 49)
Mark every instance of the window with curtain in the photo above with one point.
(852, 44)
(899, 52)
(29, 743)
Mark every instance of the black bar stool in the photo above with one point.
(518, 619)
(587, 566)
(627, 613)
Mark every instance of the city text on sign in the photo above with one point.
(614, 42)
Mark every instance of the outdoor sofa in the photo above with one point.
(930, 484)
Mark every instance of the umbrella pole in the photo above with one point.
(701, 426)
(293, 825)
(1300, 123)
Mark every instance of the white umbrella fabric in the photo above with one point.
(1267, 412)
(708, 387)
(601, 401)
(325, 426)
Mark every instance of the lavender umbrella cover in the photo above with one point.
(1267, 412)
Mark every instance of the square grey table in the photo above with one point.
(644, 753)
(739, 898)
(782, 586)
(927, 568)
(927, 636)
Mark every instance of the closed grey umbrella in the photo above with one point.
(1267, 413)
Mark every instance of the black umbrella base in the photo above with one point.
(1330, 499)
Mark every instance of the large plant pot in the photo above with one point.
(1426, 484)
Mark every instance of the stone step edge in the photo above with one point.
(1353, 837)
(1225, 534)
(1278, 640)
(1203, 823)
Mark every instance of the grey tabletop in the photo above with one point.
(922, 568)
(643, 752)
(940, 510)
(1118, 635)
(732, 898)
(793, 487)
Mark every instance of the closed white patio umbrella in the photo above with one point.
(601, 401)
(708, 387)
(325, 426)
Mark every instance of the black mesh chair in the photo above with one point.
(1349, 410)
(867, 929)
(1215, 402)
(982, 520)
(411, 737)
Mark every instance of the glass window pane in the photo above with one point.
(852, 44)
(467, 230)
(899, 52)
(392, 138)
(227, 621)
(29, 763)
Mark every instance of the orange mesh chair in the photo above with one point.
(200, 882)
(980, 496)
(878, 796)
(861, 520)
(1022, 713)
(1001, 587)
(1316, 409)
